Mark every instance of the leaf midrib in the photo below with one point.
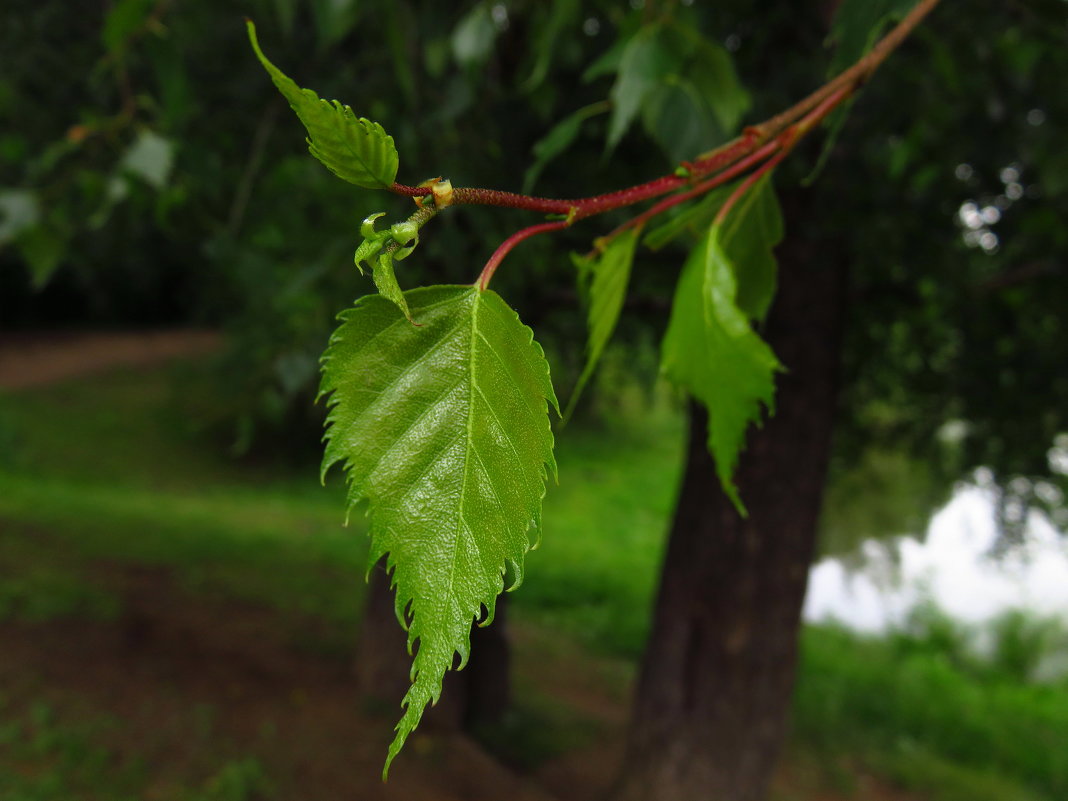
(347, 114)
(468, 447)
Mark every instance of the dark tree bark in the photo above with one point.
(711, 708)
(472, 699)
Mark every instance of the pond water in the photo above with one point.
(951, 566)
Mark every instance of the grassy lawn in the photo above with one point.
(105, 472)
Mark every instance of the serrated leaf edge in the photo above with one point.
(288, 87)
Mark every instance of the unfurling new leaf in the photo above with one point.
(386, 282)
(353, 148)
(444, 430)
(380, 249)
(712, 352)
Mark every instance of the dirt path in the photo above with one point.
(192, 684)
(37, 358)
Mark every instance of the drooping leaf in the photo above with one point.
(712, 352)
(43, 249)
(677, 118)
(334, 20)
(558, 140)
(607, 63)
(711, 70)
(386, 282)
(19, 210)
(647, 59)
(684, 85)
(856, 27)
(121, 22)
(353, 148)
(748, 237)
(473, 37)
(444, 430)
(556, 17)
(858, 24)
(609, 275)
(693, 219)
(150, 157)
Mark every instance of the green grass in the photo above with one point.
(104, 471)
(916, 715)
(129, 483)
(46, 758)
(594, 574)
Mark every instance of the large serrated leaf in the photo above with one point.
(711, 351)
(444, 429)
(353, 148)
(610, 274)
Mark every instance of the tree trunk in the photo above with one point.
(712, 702)
(472, 699)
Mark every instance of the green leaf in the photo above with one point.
(444, 429)
(353, 148)
(712, 352)
(20, 210)
(647, 60)
(858, 24)
(558, 140)
(334, 20)
(43, 250)
(473, 36)
(610, 273)
(556, 17)
(150, 157)
(856, 27)
(386, 282)
(122, 21)
(692, 219)
(749, 235)
(712, 71)
(677, 118)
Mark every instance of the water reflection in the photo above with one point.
(951, 568)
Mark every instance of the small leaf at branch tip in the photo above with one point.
(354, 148)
